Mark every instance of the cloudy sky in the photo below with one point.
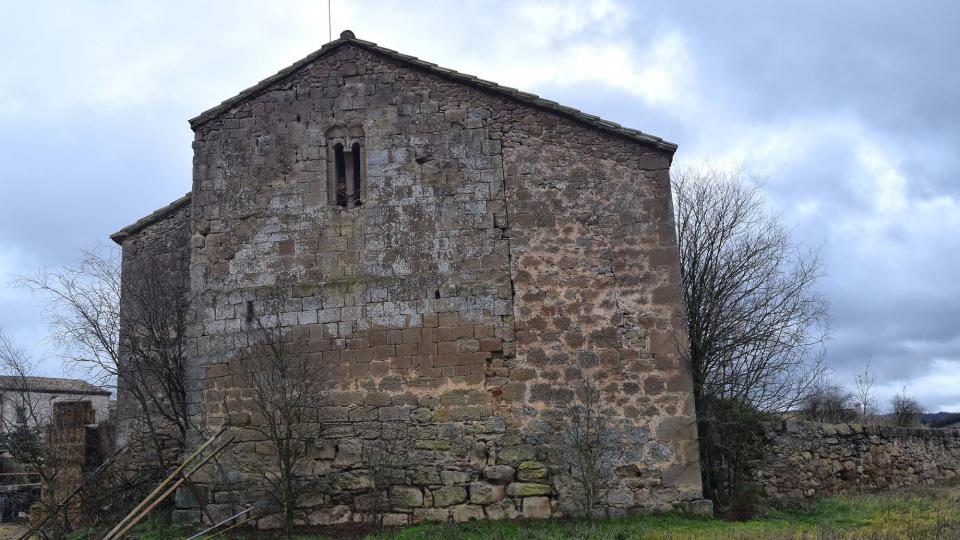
(850, 110)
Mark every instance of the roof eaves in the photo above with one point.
(524, 97)
(152, 218)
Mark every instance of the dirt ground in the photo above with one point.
(11, 531)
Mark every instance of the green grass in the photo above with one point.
(932, 513)
(920, 514)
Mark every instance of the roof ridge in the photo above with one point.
(347, 37)
(51, 385)
(151, 218)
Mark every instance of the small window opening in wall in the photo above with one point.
(436, 294)
(341, 171)
(21, 415)
(355, 152)
(249, 314)
(346, 168)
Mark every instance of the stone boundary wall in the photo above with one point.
(804, 460)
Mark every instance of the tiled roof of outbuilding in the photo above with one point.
(50, 385)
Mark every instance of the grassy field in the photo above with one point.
(928, 513)
(933, 513)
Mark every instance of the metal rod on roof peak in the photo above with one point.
(329, 23)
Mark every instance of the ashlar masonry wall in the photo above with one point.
(805, 460)
(502, 254)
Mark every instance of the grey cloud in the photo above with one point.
(76, 168)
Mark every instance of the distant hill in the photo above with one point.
(940, 419)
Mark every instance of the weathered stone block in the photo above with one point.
(439, 515)
(424, 476)
(499, 473)
(466, 512)
(269, 523)
(351, 481)
(484, 493)
(622, 497)
(520, 489)
(536, 507)
(406, 497)
(330, 516)
(349, 453)
(531, 471)
(449, 496)
(505, 509)
(396, 520)
(515, 454)
(455, 477)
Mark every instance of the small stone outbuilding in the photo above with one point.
(467, 252)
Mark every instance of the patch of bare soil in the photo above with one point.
(11, 531)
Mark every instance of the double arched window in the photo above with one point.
(346, 167)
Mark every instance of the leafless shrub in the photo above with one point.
(754, 322)
(590, 443)
(286, 386)
(142, 354)
(386, 458)
(866, 402)
(830, 404)
(905, 411)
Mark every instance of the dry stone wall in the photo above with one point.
(503, 253)
(804, 460)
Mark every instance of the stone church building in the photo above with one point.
(466, 252)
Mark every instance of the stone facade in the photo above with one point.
(159, 243)
(804, 460)
(505, 248)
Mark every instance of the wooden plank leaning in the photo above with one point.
(183, 477)
(196, 453)
(217, 525)
(234, 526)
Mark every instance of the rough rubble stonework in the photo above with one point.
(804, 460)
(506, 248)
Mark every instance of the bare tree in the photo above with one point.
(863, 388)
(590, 443)
(82, 305)
(829, 403)
(286, 385)
(905, 411)
(754, 321)
(154, 350)
(142, 353)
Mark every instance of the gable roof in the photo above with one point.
(154, 217)
(347, 38)
(50, 385)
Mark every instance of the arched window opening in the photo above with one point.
(341, 175)
(356, 174)
(346, 169)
